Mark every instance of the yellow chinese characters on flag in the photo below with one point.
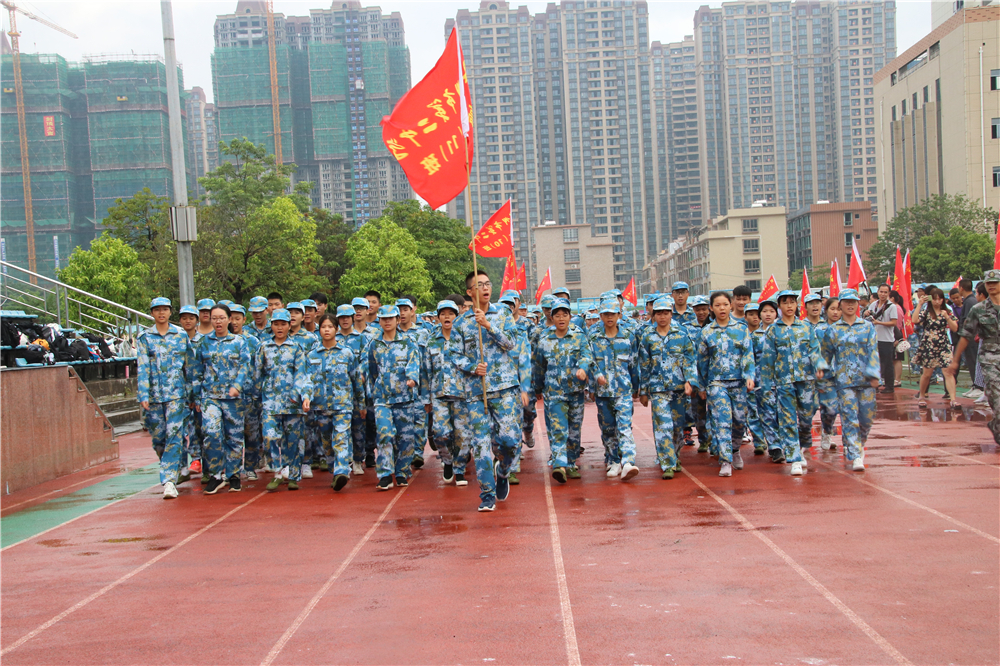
(430, 130)
(493, 240)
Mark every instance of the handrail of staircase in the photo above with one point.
(144, 315)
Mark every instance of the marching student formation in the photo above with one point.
(298, 388)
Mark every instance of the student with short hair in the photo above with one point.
(275, 301)
(249, 398)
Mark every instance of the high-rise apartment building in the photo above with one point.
(340, 70)
(712, 128)
(202, 139)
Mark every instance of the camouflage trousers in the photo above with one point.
(252, 435)
(727, 412)
(528, 416)
(419, 430)
(767, 418)
(669, 415)
(285, 438)
(444, 415)
(614, 416)
(991, 387)
(795, 409)
(472, 434)
(505, 426)
(395, 425)
(827, 403)
(697, 415)
(195, 445)
(334, 431)
(222, 425)
(563, 420)
(857, 413)
(314, 446)
(166, 422)
(358, 436)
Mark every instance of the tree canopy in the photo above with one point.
(385, 257)
(112, 270)
(941, 257)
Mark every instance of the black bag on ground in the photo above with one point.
(35, 354)
(80, 350)
(10, 335)
(102, 344)
(61, 351)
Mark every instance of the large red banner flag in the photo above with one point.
(898, 277)
(906, 288)
(509, 275)
(834, 279)
(770, 289)
(629, 293)
(522, 278)
(430, 130)
(806, 290)
(856, 274)
(543, 286)
(493, 240)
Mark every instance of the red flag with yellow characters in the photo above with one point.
(493, 240)
(769, 290)
(430, 130)
(522, 279)
(509, 275)
(629, 293)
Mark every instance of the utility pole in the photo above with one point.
(183, 218)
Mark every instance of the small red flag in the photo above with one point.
(898, 277)
(543, 286)
(522, 279)
(629, 293)
(856, 274)
(806, 290)
(955, 286)
(908, 328)
(996, 252)
(770, 289)
(493, 240)
(509, 275)
(834, 279)
(430, 130)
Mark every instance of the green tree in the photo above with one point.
(937, 213)
(942, 257)
(819, 276)
(332, 234)
(143, 222)
(109, 269)
(385, 257)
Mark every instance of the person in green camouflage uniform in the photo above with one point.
(983, 320)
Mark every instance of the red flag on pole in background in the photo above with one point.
(522, 280)
(906, 285)
(770, 289)
(509, 275)
(996, 252)
(430, 130)
(834, 279)
(629, 293)
(955, 286)
(856, 274)
(898, 278)
(493, 240)
(806, 290)
(544, 285)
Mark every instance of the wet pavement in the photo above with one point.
(900, 564)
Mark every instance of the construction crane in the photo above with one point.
(273, 59)
(29, 215)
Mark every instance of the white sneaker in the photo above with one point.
(251, 475)
(307, 472)
(629, 471)
(169, 491)
(737, 460)
(358, 468)
(747, 438)
(284, 472)
(972, 393)
(614, 469)
(824, 442)
(726, 469)
(797, 469)
(859, 464)
(982, 400)
(805, 463)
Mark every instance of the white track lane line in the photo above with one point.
(569, 629)
(107, 588)
(279, 646)
(947, 452)
(57, 490)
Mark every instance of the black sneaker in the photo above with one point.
(402, 482)
(460, 480)
(385, 483)
(214, 485)
(235, 485)
(503, 485)
(339, 482)
(449, 473)
(417, 463)
(370, 460)
(559, 474)
(777, 455)
(487, 505)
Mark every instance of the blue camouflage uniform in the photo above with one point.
(195, 447)
(789, 364)
(282, 377)
(338, 391)
(219, 365)
(444, 391)
(555, 361)
(251, 406)
(826, 388)
(852, 351)
(764, 426)
(617, 360)
(356, 342)
(420, 335)
(529, 413)
(164, 364)
(666, 363)
(697, 407)
(983, 320)
(390, 365)
(725, 364)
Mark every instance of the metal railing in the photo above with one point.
(67, 306)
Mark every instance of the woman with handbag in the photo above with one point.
(935, 347)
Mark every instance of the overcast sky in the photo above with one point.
(133, 26)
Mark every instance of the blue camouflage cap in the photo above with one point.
(228, 303)
(295, 305)
(849, 295)
(189, 309)
(508, 299)
(548, 300)
(236, 307)
(560, 290)
(769, 301)
(698, 300)
(678, 286)
(359, 302)
(258, 304)
(448, 305)
(609, 294)
(388, 311)
(512, 293)
(400, 302)
(665, 303)
(308, 303)
(561, 304)
(610, 307)
(616, 292)
(159, 302)
(751, 307)
(206, 304)
(651, 298)
(281, 315)
(535, 309)
(345, 311)
(812, 297)
(787, 292)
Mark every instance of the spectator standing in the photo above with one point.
(884, 314)
(968, 297)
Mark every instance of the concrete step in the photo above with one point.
(123, 416)
(101, 388)
(118, 403)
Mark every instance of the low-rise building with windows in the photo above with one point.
(580, 261)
